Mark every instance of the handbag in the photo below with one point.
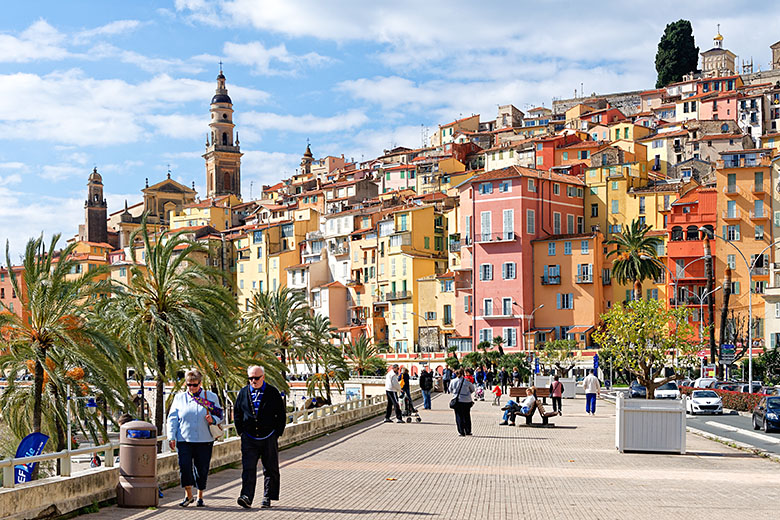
(216, 431)
(454, 400)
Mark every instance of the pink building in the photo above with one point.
(501, 212)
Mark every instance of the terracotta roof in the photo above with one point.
(519, 171)
(718, 137)
(99, 244)
(448, 274)
(459, 120)
(583, 144)
(579, 329)
(333, 284)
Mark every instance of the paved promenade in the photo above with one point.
(426, 471)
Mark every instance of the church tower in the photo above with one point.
(223, 155)
(306, 161)
(96, 211)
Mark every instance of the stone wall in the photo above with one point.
(626, 102)
(56, 496)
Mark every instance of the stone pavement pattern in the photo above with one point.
(571, 471)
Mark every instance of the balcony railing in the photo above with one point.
(584, 278)
(758, 187)
(732, 190)
(735, 214)
(760, 271)
(455, 246)
(398, 295)
(506, 236)
(551, 280)
(758, 215)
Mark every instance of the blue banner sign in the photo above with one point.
(30, 446)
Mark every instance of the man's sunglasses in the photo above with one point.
(193, 384)
(255, 378)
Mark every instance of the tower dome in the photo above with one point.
(95, 176)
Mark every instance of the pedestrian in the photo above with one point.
(404, 381)
(490, 378)
(479, 376)
(426, 385)
(462, 388)
(470, 375)
(503, 378)
(592, 387)
(392, 387)
(446, 377)
(515, 377)
(260, 417)
(190, 415)
(496, 395)
(556, 393)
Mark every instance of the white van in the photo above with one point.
(704, 382)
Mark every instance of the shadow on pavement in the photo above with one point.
(321, 510)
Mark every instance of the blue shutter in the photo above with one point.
(571, 300)
(558, 299)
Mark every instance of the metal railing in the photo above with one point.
(551, 280)
(64, 456)
(505, 236)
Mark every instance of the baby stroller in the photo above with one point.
(407, 408)
(479, 393)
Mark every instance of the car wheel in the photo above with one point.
(765, 426)
(755, 424)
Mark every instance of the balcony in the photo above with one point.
(758, 188)
(463, 285)
(339, 250)
(507, 236)
(398, 295)
(758, 215)
(606, 281)
(760, 271)
(584, 278)
(551, 280)
(731, 215)
(454, 246)
(732, 190)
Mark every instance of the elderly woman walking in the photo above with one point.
(191, 414)
(462, 402)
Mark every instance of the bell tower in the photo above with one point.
(223, 155)
(96, 210)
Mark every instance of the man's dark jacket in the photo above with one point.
(271, 416)
(426, 380)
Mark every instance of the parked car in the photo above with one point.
(766, 414)
(730, 386)
(686, 382)
(744, 387)
(668, 390)
(704, 401)
(637, 391)
(704, 382)
(769, 390)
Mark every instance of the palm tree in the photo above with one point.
(52, 336)
(320, 352)
(635, 256)
(498, 341)
(171, 311)
(363, 355)
(282, 315)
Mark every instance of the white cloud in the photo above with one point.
(60, 172)
(69, 107)
(263, 121)
(12, 166)
(263, 59)
(7, 180)
(110, 29)
(105, 51)
(262, 167)
(179, 126)
(40, 41)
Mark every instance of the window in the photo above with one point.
(580, 224)
(731, 261)
(530, 222)
(556, 223)
(504, 186)
(641, 205)
(570, 224)
(427, 241)
(485, 335)
(734, 287)
(123, 271)
(241, 284)
(567, 248)
(652, 294)
(584, 273)
(565, 156)
(551, 249)
(485, 221)
(759, 232)
(430, 315)
(758, 287)
(614, 185)
(485, 188)
(403, 222)
(532, 185)
(506, 306)
(509, 271)
(584, 154)
(594, 210)
(510, 336)
(584, 247)
(565, 300)
(556, 189)
(486, 272)
(447, 314)
(731, 232)
(615, 206)
(467, 303)
(508, 223)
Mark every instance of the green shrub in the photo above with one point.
(740, 401)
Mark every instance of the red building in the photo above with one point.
(695, 210)
(547, 146)
(8, 296)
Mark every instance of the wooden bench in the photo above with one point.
(542, 413)
(520, 391)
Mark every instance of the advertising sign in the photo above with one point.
(30, 446)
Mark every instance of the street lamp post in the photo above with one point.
(701, 304)
(750, 266)
(522, 321)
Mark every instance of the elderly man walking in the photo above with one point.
(260, 418)
(392, 387)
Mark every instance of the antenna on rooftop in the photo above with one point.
(251, 183)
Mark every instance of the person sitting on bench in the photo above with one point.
(525, 407)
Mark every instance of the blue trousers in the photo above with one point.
(509, 404)
(590, 403)
(194, 460)
(426, 399)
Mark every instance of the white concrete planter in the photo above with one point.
(650, 425)
(569, 385)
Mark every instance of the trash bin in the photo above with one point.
(137, 465)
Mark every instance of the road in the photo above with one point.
(738, 428)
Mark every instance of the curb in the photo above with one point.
(735, 444)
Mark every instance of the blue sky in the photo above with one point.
(125, 86)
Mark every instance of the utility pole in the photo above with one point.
(710, 275)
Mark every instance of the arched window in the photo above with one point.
(708, 232)
(227, 185)
(692, 233)
(224, 138)
(724, 128)
(677, 233)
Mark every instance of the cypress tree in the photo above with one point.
(677, 53)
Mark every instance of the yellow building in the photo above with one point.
(438, 174)
(411, 245)
(606, 195)
(215, 212)
(436, 303)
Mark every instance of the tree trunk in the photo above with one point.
(725, 309)
(159, 403)
(59, 428)
(637, 290)
(37, 402)
(710, 275)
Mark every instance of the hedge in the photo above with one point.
(740, 401)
